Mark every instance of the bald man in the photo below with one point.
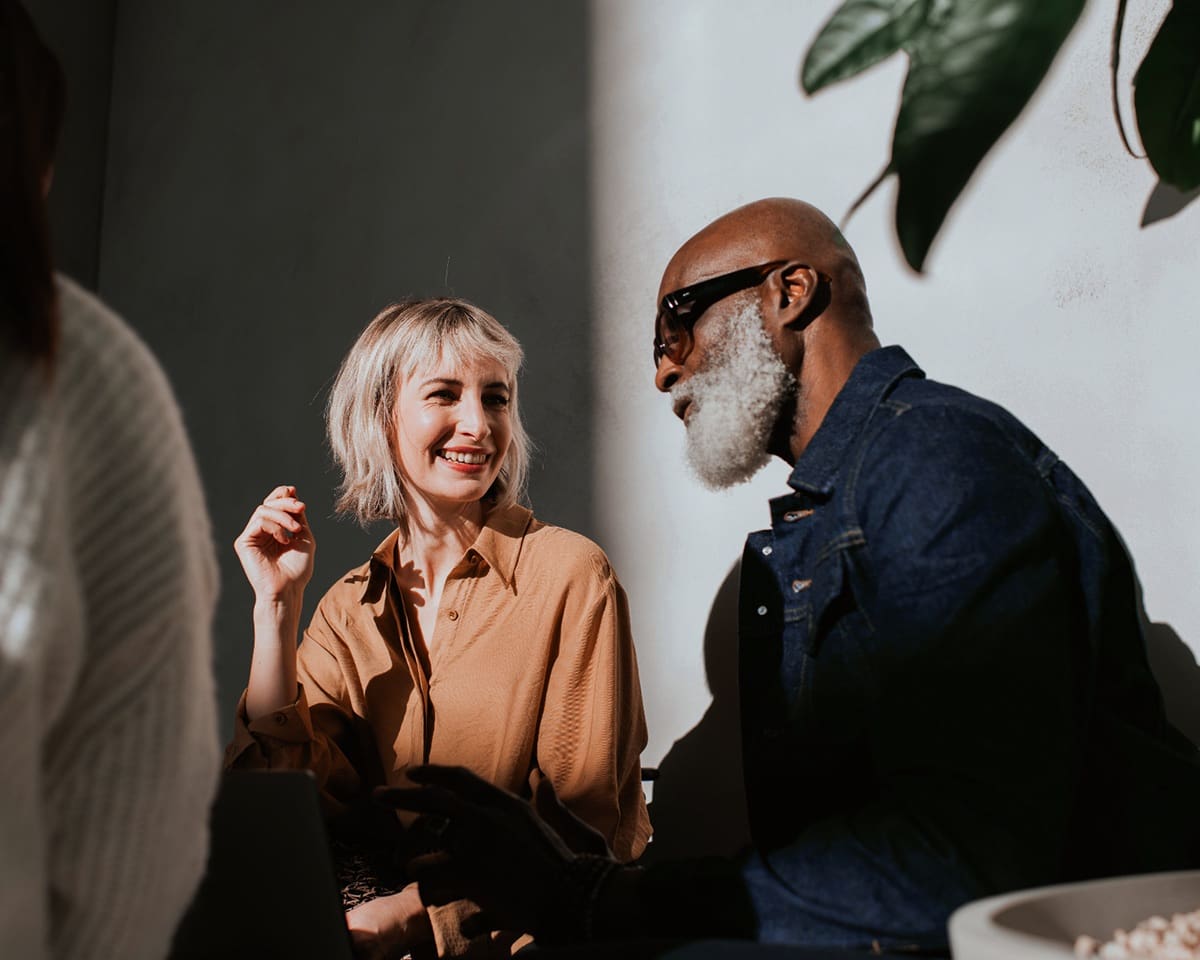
(945, 690)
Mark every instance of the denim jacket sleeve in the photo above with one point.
(964, 580)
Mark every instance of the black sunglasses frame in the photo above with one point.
(681, 308)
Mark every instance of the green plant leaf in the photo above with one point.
(974, 66)
(1166, 97)
(858, 35)
(1114, 68)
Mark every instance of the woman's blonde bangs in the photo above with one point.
(403, 339)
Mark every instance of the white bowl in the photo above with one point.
(1042, 924)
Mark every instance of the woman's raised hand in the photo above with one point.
(277, 547)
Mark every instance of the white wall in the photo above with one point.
(1042, 292)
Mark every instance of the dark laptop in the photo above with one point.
(269, 889)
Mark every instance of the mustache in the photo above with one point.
(681, 395)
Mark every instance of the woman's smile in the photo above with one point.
(465, 460)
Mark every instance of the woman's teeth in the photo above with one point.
(463, 457)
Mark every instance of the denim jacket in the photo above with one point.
(945, 689)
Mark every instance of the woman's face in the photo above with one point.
(452, 430)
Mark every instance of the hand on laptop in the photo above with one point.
(494, 849)
(389, 926)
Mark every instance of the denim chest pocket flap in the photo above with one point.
(818, 603)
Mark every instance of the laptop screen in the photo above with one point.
(269, 889)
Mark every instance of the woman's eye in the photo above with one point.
(443, 395)
(496, 400)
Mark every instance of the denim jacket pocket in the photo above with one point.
(826, 599)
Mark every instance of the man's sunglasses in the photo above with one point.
(680, 309)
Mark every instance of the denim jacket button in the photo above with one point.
(767, 551)
(762, 611)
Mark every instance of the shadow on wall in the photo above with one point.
(1174, 667)
(1178, 675)
(699, 803)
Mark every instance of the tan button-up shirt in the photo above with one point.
(531, 672)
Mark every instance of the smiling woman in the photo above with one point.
(420, 355)
(452, 430)
(475, 635)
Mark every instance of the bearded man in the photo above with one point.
(945, 689)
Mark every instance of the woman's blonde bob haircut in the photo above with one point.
(407, 337)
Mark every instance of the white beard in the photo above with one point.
(736, 401)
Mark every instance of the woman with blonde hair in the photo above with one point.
(474, 635)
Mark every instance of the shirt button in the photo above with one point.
(793, 515)
(798, 585)
(767, 551)
(472, 556)
(453, 615)
(762, 611)
(280, 719)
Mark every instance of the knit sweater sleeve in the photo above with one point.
(120, 756)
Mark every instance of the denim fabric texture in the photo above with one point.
(945, 688)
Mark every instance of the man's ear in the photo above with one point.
(803, 295)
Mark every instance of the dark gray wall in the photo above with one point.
(278, 173)
(81, 34)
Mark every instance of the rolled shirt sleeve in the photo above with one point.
(318, 731)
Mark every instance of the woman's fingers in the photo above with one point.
(288, 504)
(281, 516)
(276, 547)
(286, 490)
(284, 498)
(280, 523)
(267, 524)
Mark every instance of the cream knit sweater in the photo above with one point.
(108, 743)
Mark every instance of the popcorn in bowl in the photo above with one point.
(1154, 939)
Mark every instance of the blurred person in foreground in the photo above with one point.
(944, 684)
(107, 588)
(474, 635)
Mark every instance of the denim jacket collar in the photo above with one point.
(871, 380)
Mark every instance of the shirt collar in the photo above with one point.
(498, 543)
(870, 381)
(501, 539)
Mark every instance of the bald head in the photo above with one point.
(803, 315)
(778, 228)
